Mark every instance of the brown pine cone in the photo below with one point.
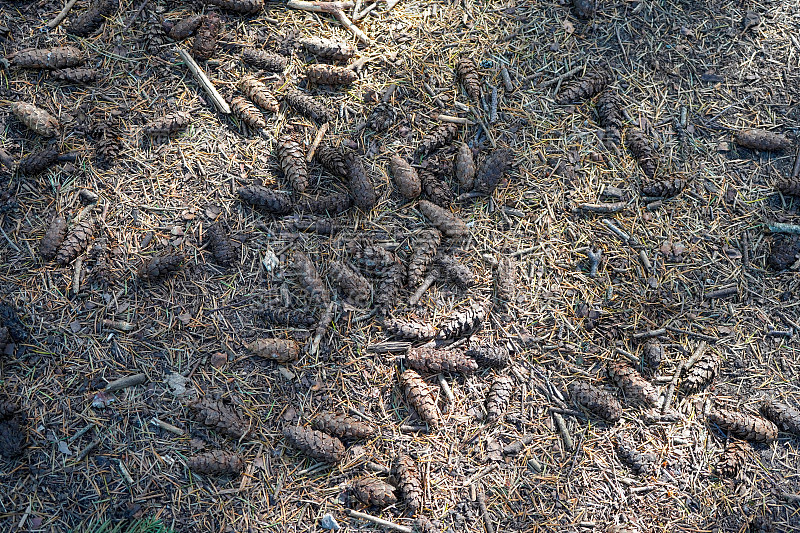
(12, 438)
(310, 280)
(247, 113)
(642, 150)
(632, 384)
(220, 417)
(463, 322)
(76, 75)
(185, 28)
(292, 159)
(216, 463)
(420, 398)
(333, 158)
(641, 463)
(307, 105)
(653, 355)
(168, 124)
(405, 178)
(8, 409)
(434, 361)
(272, 201)
(609, 112)
(323, 74)
(205, 42)
(264, 60)
(160, 266)
(53, 237)
(280, 350)
(221, 244)
(99, 270)
(465, 168)
(424, 248)
(375, 492)
(382, 117)
(783, 252)
(789, 186)
(377, 261)
(283, 316)
(490, 356)
(38, 162)
(744, 426)
(76, 242)
(584, 9)
(329, 204)
(246, 7)
(443, 220)
(732, 459)
(499, 397)
(327, 49)
(409, 330)
(701, 374)
(598, 402)
(467, 73)
(36, 119)
(762, 140)
(786, 417)
(343, 426)
(436, 189)
(259, 94)
(108, 145)
(353, 285)
(666, 188)
(315, 444)
(48, 58)
(505, 279)
(585, 87)
(441, 136)
(93, 18)
(409, 483)
(359, 183)
(452, 271)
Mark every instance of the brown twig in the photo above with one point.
(426, 284)
(317, 139)
(379, 521)
(61, 15)
(603, 208)
(201, 77)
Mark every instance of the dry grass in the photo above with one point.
(161, 195)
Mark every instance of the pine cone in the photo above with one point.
(93, 18)
(76, 242)
(434, 361)
(744, 426)
(185, 27)
(53, 237)
(641, 463)
(327, 49)
(642, 150)
(584, 9)
(221, 244)
(247, 113)
(465, 168)
(343, 426)
(38, 162)
(272, 201)
(409, 483)
(246, 7)
(259, 94)
(609, 112)
(423, 524)
(453, 271)
(280, 350)
(323, 74)
(761, 523)
(292, 159)
(48, 58)
(409, 330)
(585, 87)
(505, 279)
(378, 262)
(108, 146)
(382, 117)
(8, 409)
(283, 316)
(100, 271)
(331, 204)
(666, 188)
(732, 459)
(310, 280)
(420, 397)
(598, 402)
(701, 374)
(9, 319)
(424, 248)
(436, 189)
(405, 178)
(216, 463)
(490, 356)
(439, 137)
(346, 164)
(374, 492)
(12, 438)
(653, 355)
(786, 417)
(443, 220)
(762, 140)
(499, 397)
(205, 42)
(783, 251)
(315, 444)
(307, 105)
(632, 384)
(168, 124)
(467, 73)
(36, 119)
(463, 323)
(217, 415)
(154, 36)
(265, 60)
(333, 159)
(355, 286)
(160, 266)
(76, 75)
(5, 337)
(789, 186)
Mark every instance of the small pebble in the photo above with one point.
(329, 522)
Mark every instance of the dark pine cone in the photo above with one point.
(784, 416)
(434, 361)
(265, 60)
(55, 58)
(4, 339)
(160, 266)
(783, 251)
(216, 463)
(653, 355)
(789, 186)
(375, 492)
(99, 270)
(79, 76)
(467, 73)
(284, 316)
(744, 426)
(664, 188)
(90, 20)
(292, 159)
(585, 87)
(436, 189)
(409, 483)
(584, 9)
(642, 150)
(598, 402)
(505, 279)
(329, 204)
(168, 124)
(632, 384)
(438, 138)
(221, 244)
(490, 356)
(409, 330)
(246, 7)
(217, 415)
(315, 444)
(8, 409)
(310, 279)
(9, 319)
(307, 105)
(732, 459)
(108, 145)
(345, 163)
(279, 350)
(420, 397)
(701, 374)
(762, 140)
(270, 200)
(641, 463)
(442, 219)
(451, 270)
(343, 426)
(327, 49)
(379, 262)
(382, 117)
(424, 247)
(405, 178)
(53, 238)
(492, 171)
(185, 28)
(609, 112)
(463, 322)
(499, 397)
(205, 42)
(323, 74)
(12, 438)
(353, 285)
(76, 242)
